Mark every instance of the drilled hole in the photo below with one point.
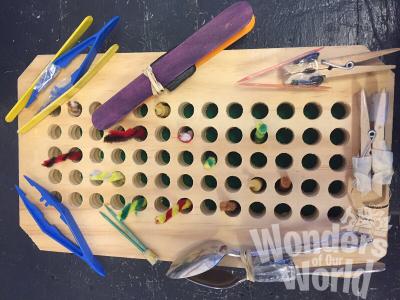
(189, 209)
(310, 161)
(257, 209)
(210, 110)
(340, 110)
(75, 177)
(233, 159)
(96, 134)
(163, 157)
(311, 136)
(118, 156)
(93, 107)
(140, 157)
(208, 207)
(76, 199)
(74, 108)
(284, 161)
(75, 132)
(96, 155)
(234, 110)
(141, 111)
(259, 110)
(234, 135)
(209, 159)
(309, 212)
(185, 134)
(96, 201)
(56, 112)
(53, 152)
(57, 195)
(312, 110)
(283, 211)
(258, 160)
(337, 162)
(310, 187)
(186, 110)
(285, 110)
(284, 135)
(209, 135)
(54, 131)
(117, 202)
(339, 136)
(185, 182)
(233, 184)
(257, 185)
(162, 109)
(283, 185)
(335, 214)
(185, 158)
(139, 198)
(236, 211)
(55, 176)
(163, 134)
(161, 204)
(259, 135)
(209, 183)
(337, 188)
(139, 180)
(163, 181)
(121, 181)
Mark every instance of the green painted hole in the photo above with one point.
(312, 110)
(259, 110)
(234, 135)
(165, 180)
(209, 182)
(337, 162)
(161, 204)
(233, 183)
(310, 161)
(208, 207)
(186, 181)
(233, 159)
(339, 110)
(163, 157)
(163, 134)
(282, 211)
(309, 212)
(285, 110)
(140, 157)
(186, 110)
(186, 158)
(336, 188)
(258, 160)
(309, 187)
(311, 136)
(338, 136)
(210, 110)
(141, 111)
(210, 134)
(235, 110)
(257, 209)
(335, 214)
(284, 160)
(284, 135)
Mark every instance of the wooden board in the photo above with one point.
(212, 83)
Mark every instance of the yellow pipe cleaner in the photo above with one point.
(102, 176)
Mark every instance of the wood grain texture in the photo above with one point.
(212, 83)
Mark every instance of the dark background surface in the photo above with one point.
(29, 28)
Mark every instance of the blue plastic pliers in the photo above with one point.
(81, 250)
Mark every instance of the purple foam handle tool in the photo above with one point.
(178, 64)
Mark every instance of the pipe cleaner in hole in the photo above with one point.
(228, 206)
(115, 176)
(138, 204)
(73, 155)
(114, 136)
(260, 133)
(182, 205)
(185, 134)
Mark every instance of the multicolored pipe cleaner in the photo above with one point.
(124, 135)
(180, 206)
(136, 205)
(97, 175)
(260, 134)
(74, 155)
(210, 162)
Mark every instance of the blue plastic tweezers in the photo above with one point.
(81, 250)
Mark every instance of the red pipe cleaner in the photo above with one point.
(74, 155)
(123, 135)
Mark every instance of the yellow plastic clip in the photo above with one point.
(71, 41)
